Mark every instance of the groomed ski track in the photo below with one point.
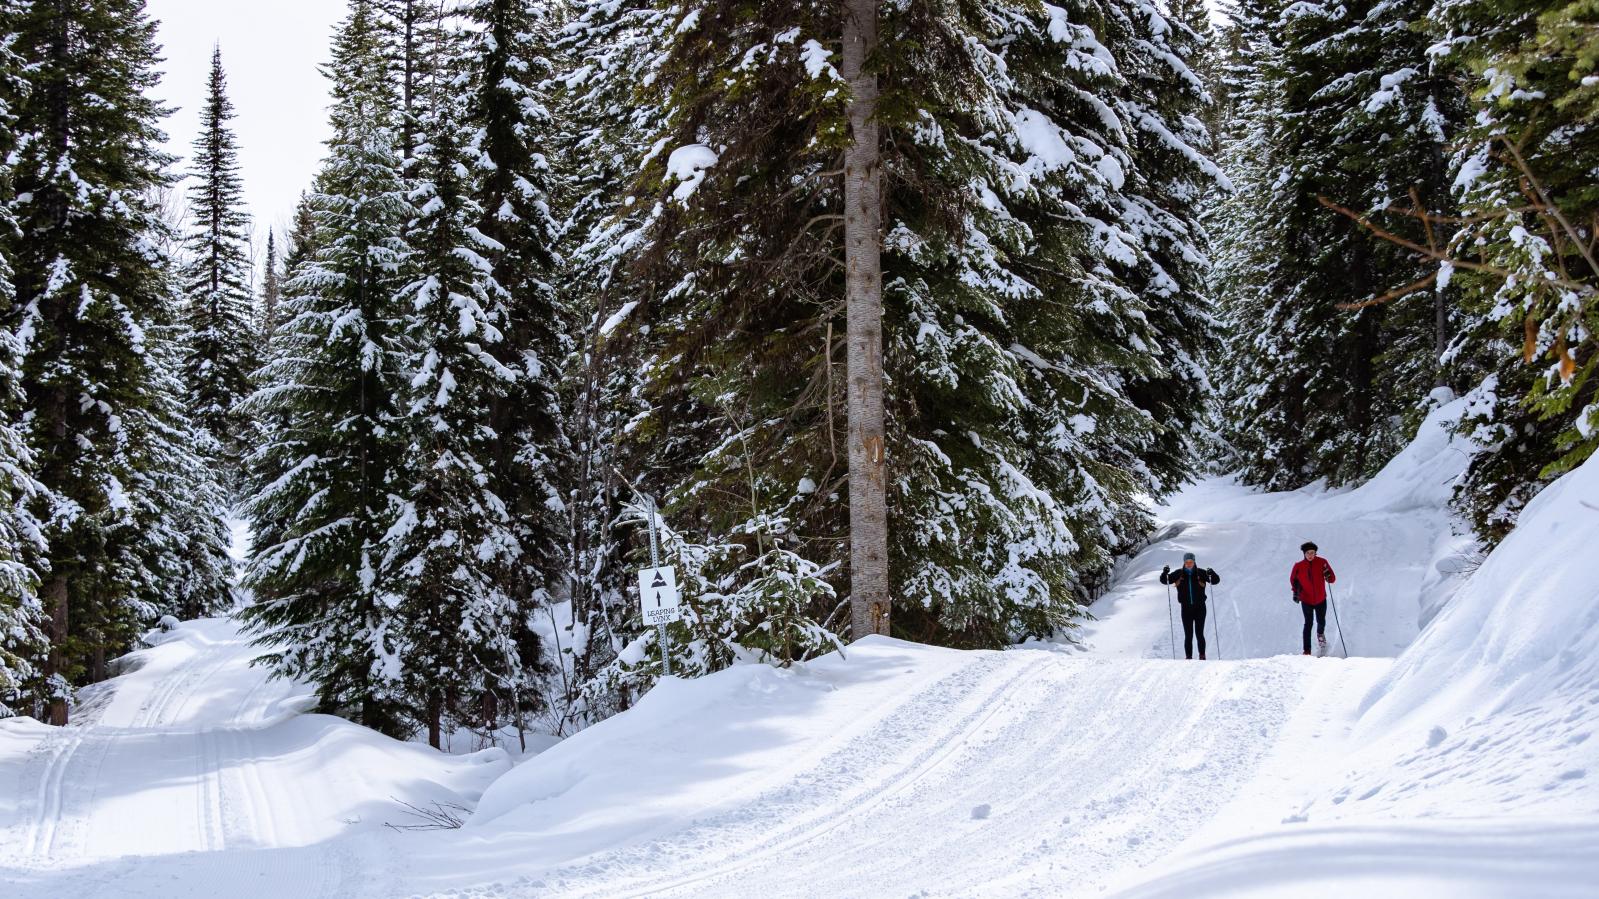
(183, 761)
(1011, 774)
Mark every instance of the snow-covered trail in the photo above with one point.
(1380, 562)
(1009, 774)
(1382, 538)
(195, 750)
(171, 744)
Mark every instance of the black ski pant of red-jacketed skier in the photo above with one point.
(1194, 620)
(1316, 613)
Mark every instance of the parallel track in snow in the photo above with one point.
(1001, 763)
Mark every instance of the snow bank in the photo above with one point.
(1524, 627)
(710, 737)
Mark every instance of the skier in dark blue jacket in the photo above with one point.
(1190, 581)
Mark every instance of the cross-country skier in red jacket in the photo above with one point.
(1310, 578)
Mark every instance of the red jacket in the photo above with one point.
(1310, 580)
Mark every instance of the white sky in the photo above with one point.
(270, 51)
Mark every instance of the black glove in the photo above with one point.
(1165, 571)
(1296, 597)
(1211, 573)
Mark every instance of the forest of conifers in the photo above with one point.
(567, 261)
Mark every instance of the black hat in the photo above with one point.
(1307, 546)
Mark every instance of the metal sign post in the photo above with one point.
(658, 593)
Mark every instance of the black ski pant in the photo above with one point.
(1316, 613)
(1193, 621)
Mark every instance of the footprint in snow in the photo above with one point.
(980, 812)
(1436, 735)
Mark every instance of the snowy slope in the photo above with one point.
(1468, 766)
(194, 750)
(1384, 539)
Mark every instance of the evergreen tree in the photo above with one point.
(92, 297)
(181, 501)
(1525, 180)
(1358, 117)
(302, 241)
(508, 130)
(456, 572)
(322, 483)
(414, 38)
(22, 640)
(1028, 323)
(601, 143)
(271, 292)
(1243, 228)
(216, 280)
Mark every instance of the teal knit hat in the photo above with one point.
(1188, 557)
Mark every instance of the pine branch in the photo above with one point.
(1551, 209)
(1437, 255)
(1390, 296)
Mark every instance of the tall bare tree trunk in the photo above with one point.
(863, 294)
(435, 714)
(55, 596)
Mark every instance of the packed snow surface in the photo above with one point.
(1466, 766)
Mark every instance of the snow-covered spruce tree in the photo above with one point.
(267, 312)
(1525, 179)
(22, 640)
(222, 343)
(1355, 116)
(1049, 293)
(1166, 191)
(92, 296)
(301, 245)
(720, 310)
(1242, 227)
(509, 130)
(322, 482)
(180, 500)
(414, 39)
(1023, 240)
(457, 578)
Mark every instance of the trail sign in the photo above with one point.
(658, 595)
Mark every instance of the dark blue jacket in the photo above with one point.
(1190, 582)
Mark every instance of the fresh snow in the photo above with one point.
(1455, 757)
(196, 751)
(688, 164)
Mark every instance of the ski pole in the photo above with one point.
(1215, 627)
(1171, 623)
(1336, 621)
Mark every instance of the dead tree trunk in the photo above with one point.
(55, 596)
(863, 294)
(435, 716)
